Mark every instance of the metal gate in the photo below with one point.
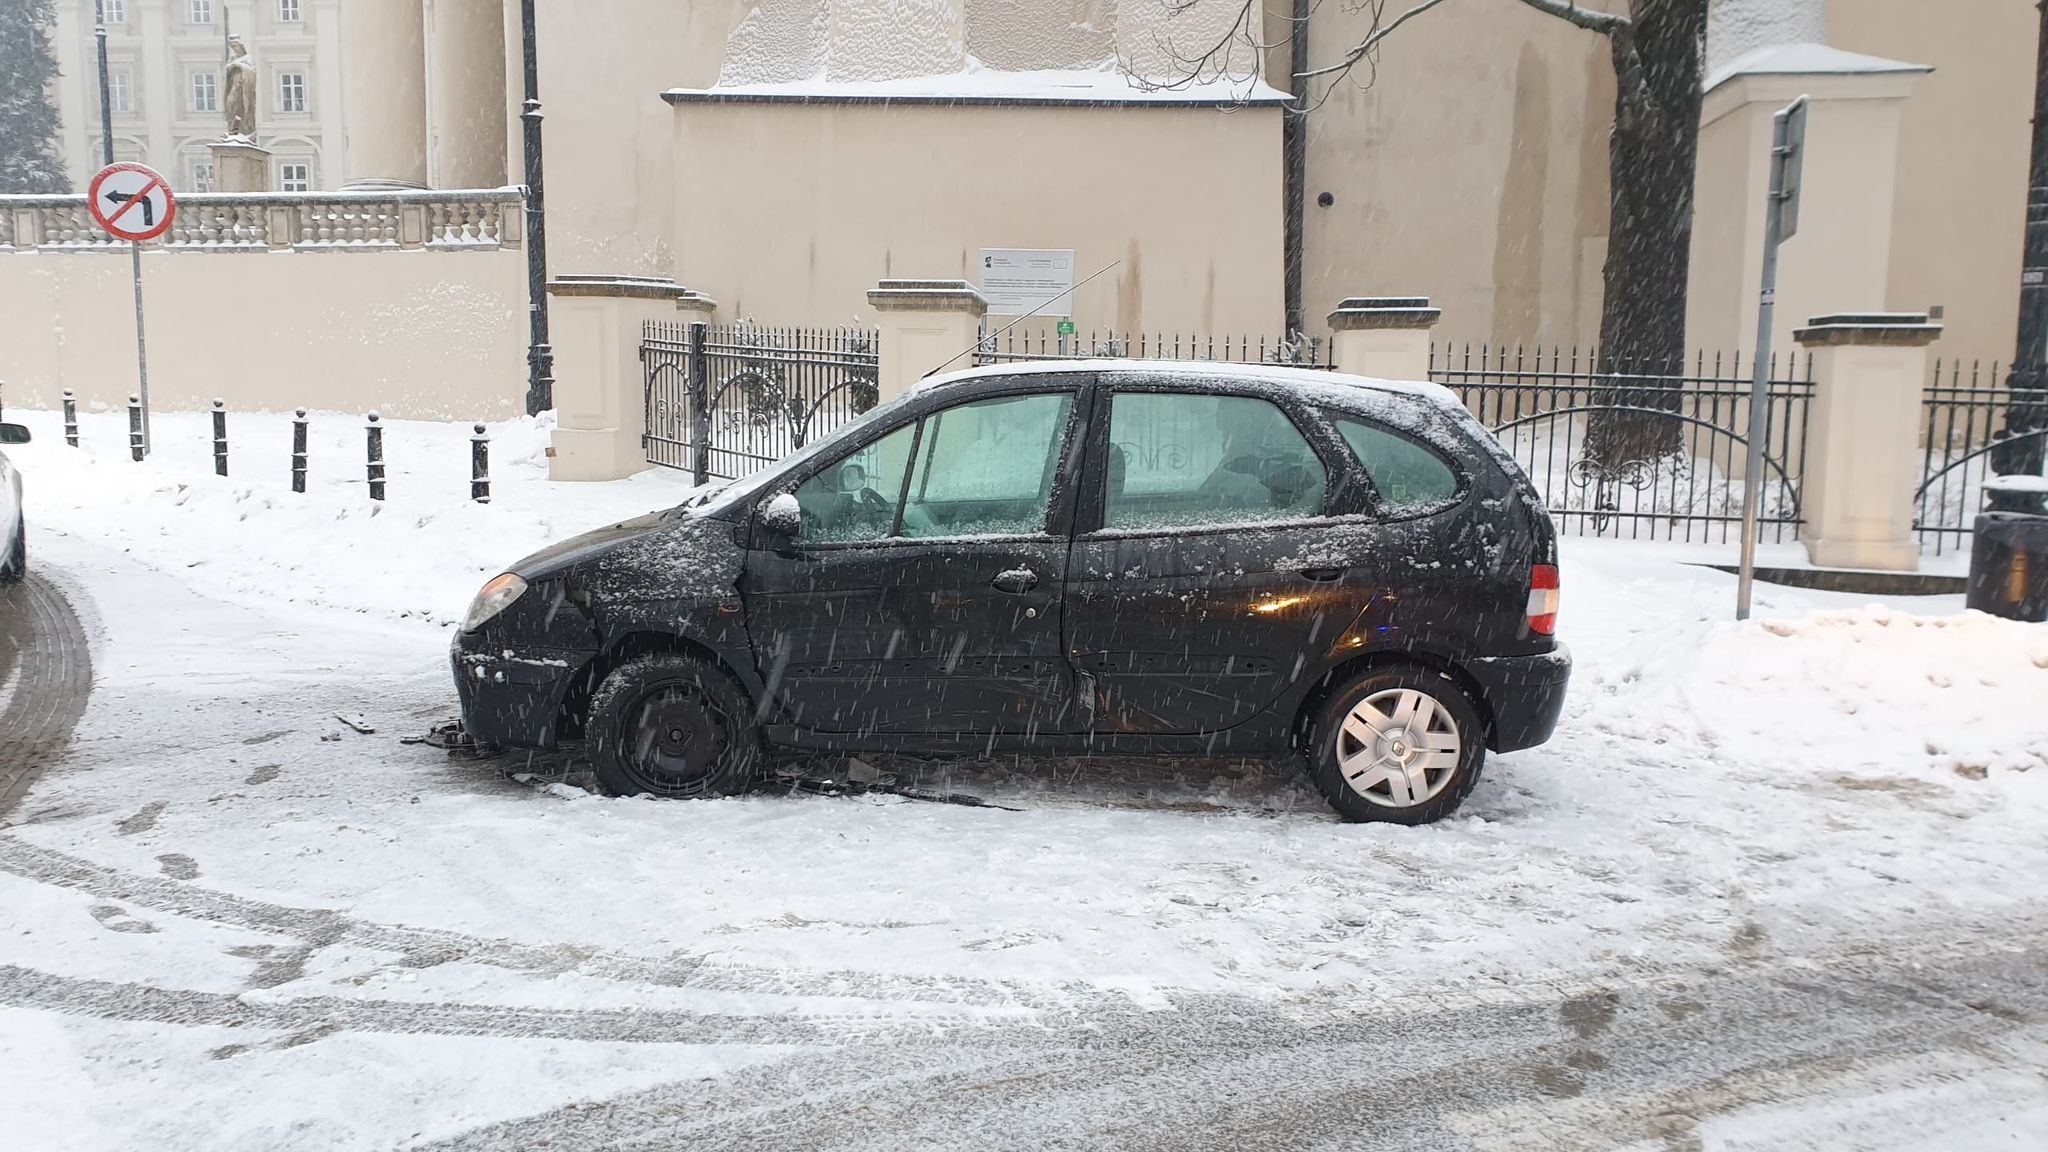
(1547, 407)
(1965, 413)
(727, 400)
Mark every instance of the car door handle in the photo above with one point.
(1016, 581)
(1323, 575)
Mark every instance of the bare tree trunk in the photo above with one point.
(1651, 160)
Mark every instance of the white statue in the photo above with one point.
(239, 102)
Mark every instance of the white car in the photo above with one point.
(13, 532)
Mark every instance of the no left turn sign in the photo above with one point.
(131, 201)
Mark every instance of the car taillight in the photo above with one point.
(1543, 597)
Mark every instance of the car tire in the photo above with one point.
(16, 568)
(1378, 769)
(672, 726)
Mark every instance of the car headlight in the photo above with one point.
(495, 597)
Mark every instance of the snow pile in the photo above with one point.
(1865, 694)
(419, 554)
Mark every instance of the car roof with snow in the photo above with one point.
(1335, 386)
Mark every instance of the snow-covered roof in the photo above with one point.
(1806, 60)
(1314, 379)
(1085, 86)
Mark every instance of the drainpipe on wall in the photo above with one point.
(1294, 157)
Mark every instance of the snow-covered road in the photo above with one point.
(1773, 885)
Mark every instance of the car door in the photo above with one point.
(1195, 596)
(923, 592)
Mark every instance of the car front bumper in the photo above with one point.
(1525, 695)
(511, 697)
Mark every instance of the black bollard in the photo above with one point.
(376, 446)
(135, 427)
(220, 437)
(480, 466)
(70, 418)
(299, 451)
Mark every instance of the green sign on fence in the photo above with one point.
(1066, 328)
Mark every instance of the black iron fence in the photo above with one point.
(727, 400)
(1656, 452)
(1017, 344)
(1963, 426)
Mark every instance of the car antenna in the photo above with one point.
(1019, 320)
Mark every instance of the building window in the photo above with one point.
(200, 176)
(295, 177)
(205, 92)
(291, 92)
(288, 11)
(200, 12)
(113, 11)
(117, 91)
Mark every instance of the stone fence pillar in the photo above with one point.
(1385, 337)
(600, 387)
(925, 325)
(1863, 446)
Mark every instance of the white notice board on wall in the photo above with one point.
(1028, 281)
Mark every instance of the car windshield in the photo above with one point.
(744, 488)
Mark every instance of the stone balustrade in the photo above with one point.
(300, 221)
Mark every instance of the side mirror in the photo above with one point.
(13, 434)
(779, 519)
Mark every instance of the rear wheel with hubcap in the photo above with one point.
(1399, 744)
(671, 725)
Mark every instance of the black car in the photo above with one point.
(13, 526)
(1060, 558)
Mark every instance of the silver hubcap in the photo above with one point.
(1398, 748)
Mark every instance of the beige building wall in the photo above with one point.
(793, 211)
(426, 335)
(1469, 165)
(612, 184)
(1959, 215)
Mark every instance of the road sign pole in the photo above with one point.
(1781, 220)
(99, 33)
(141, 343)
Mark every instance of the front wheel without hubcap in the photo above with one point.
(671, 726)
(1402, 745)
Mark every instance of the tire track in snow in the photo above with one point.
(44, 647)
(427, 947)
(1638, 1067)
(138, 1003)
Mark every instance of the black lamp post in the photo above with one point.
(2021, 450)
(540, 356)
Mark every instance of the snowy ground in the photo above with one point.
(1772, 885)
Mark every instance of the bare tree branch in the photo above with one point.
(1600, 22)
(1359, 50)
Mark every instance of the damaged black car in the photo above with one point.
(1060, 558)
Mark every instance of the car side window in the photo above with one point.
(1186, 459)
(1408, 475)
(856, 498)
(987, 468)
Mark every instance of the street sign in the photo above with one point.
(132, 202)
(1065, 327)
(1781, 219)
(1028, 281)
(1789, 152)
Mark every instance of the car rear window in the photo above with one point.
(1408, 475)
